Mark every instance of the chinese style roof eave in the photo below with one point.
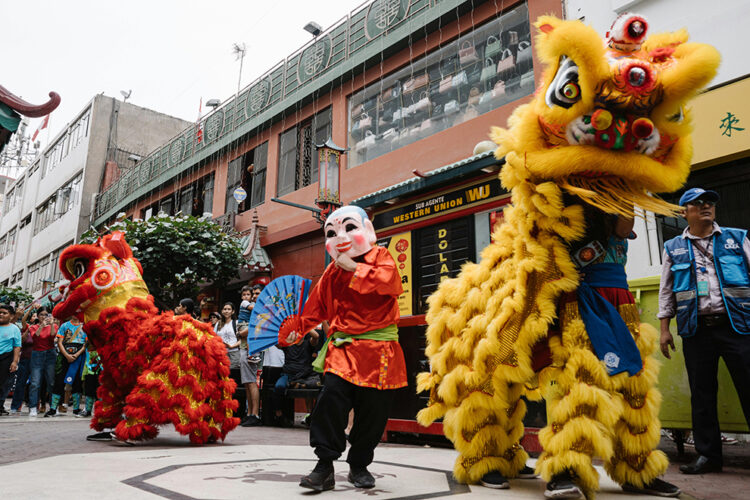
(27, 109)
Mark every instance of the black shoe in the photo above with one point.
(321, 477)
(51, 413)
(656, 487)
(3, 411)
(360, 477)
(527, 473)
(100, 436)
(83, 414)
(562, 486)
(494, 480)
(77, 412)
(252, 421)
(701, 465)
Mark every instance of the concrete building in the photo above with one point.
(50, 205)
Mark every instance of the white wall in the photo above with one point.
(720, 23)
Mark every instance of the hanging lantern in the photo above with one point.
(329, 161)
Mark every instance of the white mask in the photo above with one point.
(349, 232)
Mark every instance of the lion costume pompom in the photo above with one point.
(607, 127)
(157, 368)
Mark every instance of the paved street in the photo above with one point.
(43, 451)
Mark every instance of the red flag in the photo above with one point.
(41, 127)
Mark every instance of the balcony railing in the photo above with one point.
(341, 49)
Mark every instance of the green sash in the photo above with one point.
(388, 333)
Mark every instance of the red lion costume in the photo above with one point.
(158, 368)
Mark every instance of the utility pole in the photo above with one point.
(239, 50)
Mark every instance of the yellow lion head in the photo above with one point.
(610, 115)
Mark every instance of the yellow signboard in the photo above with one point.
(399, 246)
(721, 119)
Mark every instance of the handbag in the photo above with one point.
(467, 54)
(365, 122)
(426, 127)
(358, 109)
(415, 82)
(391, 93)
(423, 104)
(389, 134)
(488, 72)
(486, 98)
(451, 107)
(498, 89)
(493, 46)
(473, 96)
(505, 66)
(365, 143)
(470, 113)
(523, 57)
(460, 79)
(445, 84)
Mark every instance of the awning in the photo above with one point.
(432, 179)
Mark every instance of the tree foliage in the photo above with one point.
(179, 253)
(15, 295)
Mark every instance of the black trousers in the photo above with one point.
(702, 352)
(331, 416)
(6, 359)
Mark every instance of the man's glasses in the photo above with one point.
(700, 202)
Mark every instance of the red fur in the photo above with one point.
(141, 385)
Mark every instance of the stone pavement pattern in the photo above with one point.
(263, 462)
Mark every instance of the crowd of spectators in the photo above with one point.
(49, 368)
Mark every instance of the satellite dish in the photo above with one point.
(125, 95)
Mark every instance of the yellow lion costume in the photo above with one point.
(607, 127)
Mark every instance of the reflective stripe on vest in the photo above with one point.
(731, 269)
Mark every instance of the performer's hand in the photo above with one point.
(13, 367)
(666, 341)
(292, 337)
(346, 263)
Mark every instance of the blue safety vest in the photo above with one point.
(731, 269)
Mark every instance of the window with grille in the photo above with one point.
(298, 161)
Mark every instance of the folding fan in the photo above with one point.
(277, 309)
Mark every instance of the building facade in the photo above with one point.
(405, 85)
(50, 205)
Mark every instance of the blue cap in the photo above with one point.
(695, 193)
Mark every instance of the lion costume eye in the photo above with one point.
(79, 268)
(564, 90)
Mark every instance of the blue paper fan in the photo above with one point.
(283, 298)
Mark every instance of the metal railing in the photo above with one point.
(340, 47)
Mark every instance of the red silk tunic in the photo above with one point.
(359, 302)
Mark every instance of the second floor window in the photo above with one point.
(298, 161)
(249, 172)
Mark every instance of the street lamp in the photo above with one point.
(213, 103)
(313, 28)
(329, 162)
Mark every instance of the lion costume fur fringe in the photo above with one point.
(157, 368)
(483, 324)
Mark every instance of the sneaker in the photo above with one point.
(51, 413)
(83, 414)
(562, 486)
(494, 480)
(360, 477)
(689, 441)
(62, 408)
(321, 478)
(100, 436)
(32, 412)
(724, 438)
(527, 473)
(3, 411)
(252, 421)
(656, 487)
(14, 413)
(306, 420)
(76, 412)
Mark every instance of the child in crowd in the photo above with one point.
(71, 344)
(250, 365)
(91, 369)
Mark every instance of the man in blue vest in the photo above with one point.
(705, 283)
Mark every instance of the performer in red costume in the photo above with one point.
(362, 359)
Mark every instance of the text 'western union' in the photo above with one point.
(415, 214)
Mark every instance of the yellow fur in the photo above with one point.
(482, 325)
